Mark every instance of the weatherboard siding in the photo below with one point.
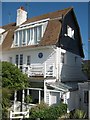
(50, 64)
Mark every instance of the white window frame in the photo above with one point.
(31, 42)
(24, 42)
(70, 32)
(16, 44)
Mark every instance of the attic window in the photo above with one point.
(70, 32)
(28, 36)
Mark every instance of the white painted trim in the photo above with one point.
(59, 88)
(34, 89)
(44, 20)
(15, 99)
(53, 90)
(39, 96)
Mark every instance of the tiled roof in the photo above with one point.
(51, 34)
(50, 15)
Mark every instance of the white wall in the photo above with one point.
(83, 87)
(67, 71)
(49, 56)
(71, 70)
(72, 100)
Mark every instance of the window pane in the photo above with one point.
(20, 38)
(35, 35)
(17, 59)
(21, 59)
(16, 39)
(39, 33)
(28, 60)
(28, 36)
(24, 37)
(31, 34)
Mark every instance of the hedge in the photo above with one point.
(45, 112)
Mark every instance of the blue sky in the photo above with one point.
(38, 8)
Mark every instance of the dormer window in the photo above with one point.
(28, 36)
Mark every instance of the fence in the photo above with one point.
(16, 115)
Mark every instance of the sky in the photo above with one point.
(9, 10)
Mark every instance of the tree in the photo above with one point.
(12, 79)
(86, 68)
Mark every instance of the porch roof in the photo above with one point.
(63, 86)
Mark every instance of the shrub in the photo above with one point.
(45, 112)
(77, 114)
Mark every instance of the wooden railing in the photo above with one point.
(44, 70)
(16, 115)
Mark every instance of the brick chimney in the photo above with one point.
(21, 16)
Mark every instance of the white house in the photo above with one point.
(49, 49)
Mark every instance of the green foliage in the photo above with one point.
(77, 114)
(45, 112)
(6, 93)
(86, 68)
(12, 77)
(28, 99)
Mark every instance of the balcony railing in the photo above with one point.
(40, 70)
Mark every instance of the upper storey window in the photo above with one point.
(70, 32)
(29, 36)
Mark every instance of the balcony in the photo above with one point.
(44, 70)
